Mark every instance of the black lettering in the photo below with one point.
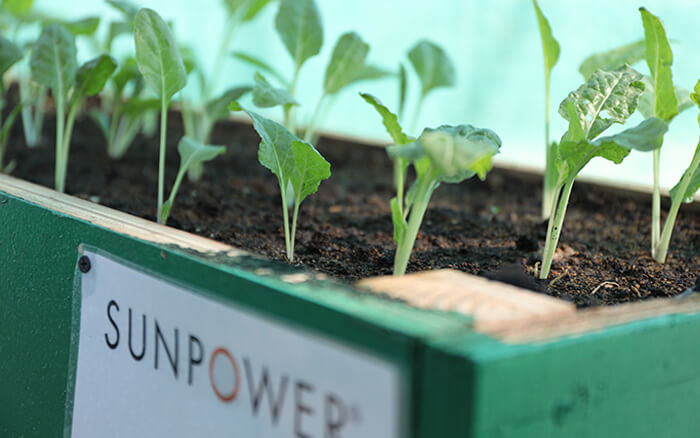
(173, 360)
(334, 421)
(301, 408)
(143, 337)
(114, 344)
(194, 340)
(264, 386)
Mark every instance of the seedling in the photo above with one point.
(550, 49)
(9, 55)
(608, 97)
(54, 65)
(161, 65)
(448, 154)
(298, 166)
(684, 191)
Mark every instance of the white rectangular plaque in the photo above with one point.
(157, 360)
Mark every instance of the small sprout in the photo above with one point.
(191, 153)
(550, 49)
(608, 97)
(161, 65)
(298, 166)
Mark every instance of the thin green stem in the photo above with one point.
(289, 118)
(285, 217)
(59, 177)
(294, 226)
(65, 148)
(311, 127)
(416, 114)
(547, 183)
(665, 240)
(161, 156)
(556, 195)
(405, 247)
(656, 204)
(555, 231)
(173, 193)
(399, 177)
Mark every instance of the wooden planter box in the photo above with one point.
(461, 356)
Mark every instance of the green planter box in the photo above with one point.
(476, 359)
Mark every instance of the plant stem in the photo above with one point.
(554, 230)
(311, 127)
(289, 121)
(547, 183)
(161, 157)
(285, 217)
(416, 115)
(173, 192)
(405, 247)
(655, 204)
(294, 226)
(59, 176)
(662, 250)
(68, 133)
(399, 176)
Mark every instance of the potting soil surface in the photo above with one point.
(490, 227)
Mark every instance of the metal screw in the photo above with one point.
(84, 264)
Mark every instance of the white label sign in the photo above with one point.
(157, 360)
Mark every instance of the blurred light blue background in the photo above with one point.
(496, 48)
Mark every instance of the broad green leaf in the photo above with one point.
(10, 53)
(267, 96)
(574, 155)
(576, 131)
(372, 72)
(310, 168)
(17, 7)
(92, 76)
(613, 59)
(644, 137)
(275, 151)
(693, 185)
(157, 55)
(459, 152)
(262, 65)
(550, 46)
(659, 59)
(248, 9)
(398, 220)
(217, 108)
(128, 9)
(433, 66)
(299, 26)
(128, 71)
(389, 120)
(410, 152)
(607, 97)
(85, 26)
(53, 60)
(347, 62)
(403, 88)
(137, 106)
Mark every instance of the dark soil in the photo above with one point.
(345, 229)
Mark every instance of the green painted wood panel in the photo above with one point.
(39, 249)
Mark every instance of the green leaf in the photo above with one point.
(389, 119)
(262, 65)
(17, 7)
(128, 9)
(550, 46)
(217, 108)
(275, 151)
(613, 59)
(92, 76)
(347, 62)
(695, 95)
(299, 26)
(432, 65)
(53, 60)
(157, 55)
(193, 152)
(659, 59)
(267, 96)
(607, 97)
(128, 71)
(644, 137)
(310, 168)
(459, 152)
(372, 72)
(248, 9)
(85, 26)
(138, 106)
(693, 185)
(10, 53)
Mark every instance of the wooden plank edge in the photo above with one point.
(112, 219)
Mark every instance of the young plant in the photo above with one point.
(448, 154)
(684, 191)
(161, 65)
(608, 97)
(298, 166)
(9, 55)
(550, 49)
(54, 65)
(191, 153)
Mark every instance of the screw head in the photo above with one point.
(84, 264)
